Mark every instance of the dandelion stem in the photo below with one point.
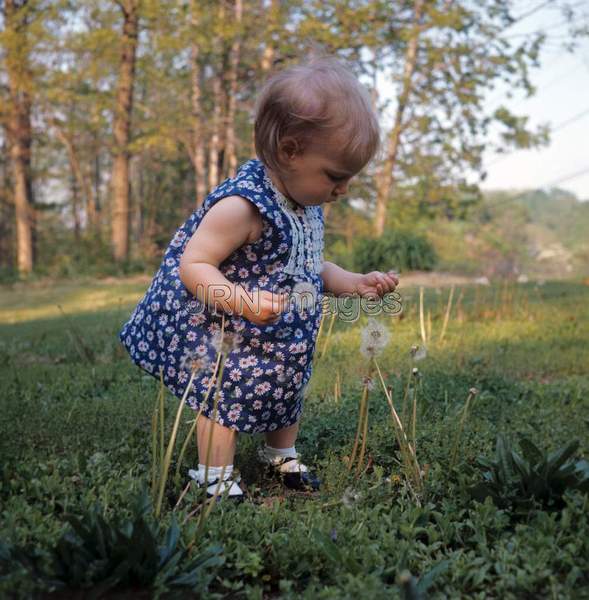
(184, 492)
(207, 507)
(324, 350)
(405, 395)
(320, 328)
(155, 458)
(447, 314)
(215, 398)
(459, 311)
(339, 387)
(210, 441)
(429, 324)
(215, 494)
(414, 419)
(364, 434)
(421, 321)
(161, 420)
(154, 448)
(407, 451)
(193, 426)
(170, 449)
(471, 394)
(187, 440)
(358, 428)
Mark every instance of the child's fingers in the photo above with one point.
(382, 284)
(393, 283)
(393, 278)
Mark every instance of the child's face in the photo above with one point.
(318, 175)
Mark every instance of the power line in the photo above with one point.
(556, 79)
(571, 120)
(539, 30)
(544, 87)
(530, 12)
(560, 126)
(545, 185)
(540, 7)
(567, 177)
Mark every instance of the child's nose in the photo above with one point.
(342, 188)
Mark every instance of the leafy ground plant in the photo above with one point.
(74, 433)
(516, 482)
(117, 553)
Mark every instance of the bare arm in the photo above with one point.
(338, 281)
(231, 223)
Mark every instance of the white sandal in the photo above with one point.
(228, 488)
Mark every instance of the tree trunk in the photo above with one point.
(96, 176)
(75, 205)
(7, 244)
(19, 129)
(385, 179)
(198, 153)
(215, 141)
(230, 149)
(82, 180)
(122, 130)
(269, 52)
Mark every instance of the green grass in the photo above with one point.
(76, 420)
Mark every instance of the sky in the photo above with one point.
(561, 100)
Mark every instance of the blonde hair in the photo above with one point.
(318, 96)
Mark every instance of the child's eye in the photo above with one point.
(334, 178)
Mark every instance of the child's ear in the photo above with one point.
(290, 147)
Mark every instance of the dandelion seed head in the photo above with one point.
(415, 371)
(225, 342)
(304, 295)
(368, 382)
(191, 361)
(375, 337)
(420, 353)
(473, 391)
(350, 497)
(369, 350)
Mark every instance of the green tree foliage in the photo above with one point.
(463, 52)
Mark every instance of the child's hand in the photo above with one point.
(266, 307)
(376, 284)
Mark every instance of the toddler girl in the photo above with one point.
(234, 264)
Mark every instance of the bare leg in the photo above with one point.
(222, 446)
(283, 438)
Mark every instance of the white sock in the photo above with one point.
(214, 473)
(274, 454)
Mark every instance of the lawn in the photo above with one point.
(76, 441)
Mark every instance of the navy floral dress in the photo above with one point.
(267, 370)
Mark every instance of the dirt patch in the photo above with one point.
(434, 279)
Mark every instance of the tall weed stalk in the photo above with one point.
(408, 453)
(471, 394)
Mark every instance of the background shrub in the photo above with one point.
(398, 249)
